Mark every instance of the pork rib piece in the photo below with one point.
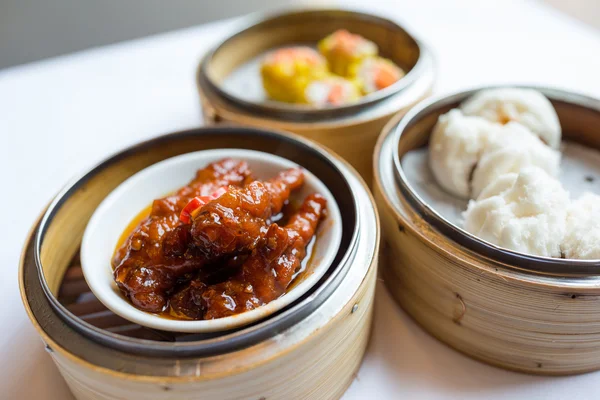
(238, 220)
(265, 274)
(141, 269)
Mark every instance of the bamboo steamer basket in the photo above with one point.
(351, 131)
(522, 313)
(310, 349)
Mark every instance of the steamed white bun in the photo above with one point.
(524, 212)
(455, 145)
(499, 186)
(582, 239)
(525, 106)
(509, 151)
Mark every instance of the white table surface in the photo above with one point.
(60, 116)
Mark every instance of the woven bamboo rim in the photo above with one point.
(260, 33)
(501, 313)
(347, 309)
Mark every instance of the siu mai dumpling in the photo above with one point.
(331, 91)
(343, 49)
(286, 72)
(376, 73)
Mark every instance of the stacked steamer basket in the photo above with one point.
(511, 310)
(311, 348)
(351, 130)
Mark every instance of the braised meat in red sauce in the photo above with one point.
(229, 256)
(141, 270)
(264, 276)
(239, 219)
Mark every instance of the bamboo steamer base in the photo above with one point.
(314, 356)
(321, 366)
(333, 357)
(512, 319)
(453, 320)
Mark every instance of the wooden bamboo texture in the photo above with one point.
(322, 367)
(315, 358)
(528, 322)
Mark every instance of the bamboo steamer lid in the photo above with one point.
(517, 312)
(351, 131)
(310, 349)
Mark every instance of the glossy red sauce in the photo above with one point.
(232, 257)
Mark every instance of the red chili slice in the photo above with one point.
(195, 205)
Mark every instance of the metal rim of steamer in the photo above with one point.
(512, 259)
(231, 340)
(300, 113)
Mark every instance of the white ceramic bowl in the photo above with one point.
(125, 202)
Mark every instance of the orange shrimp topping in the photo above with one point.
(345, 41)
(336, 94)
(385, 75)
(295, 54)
